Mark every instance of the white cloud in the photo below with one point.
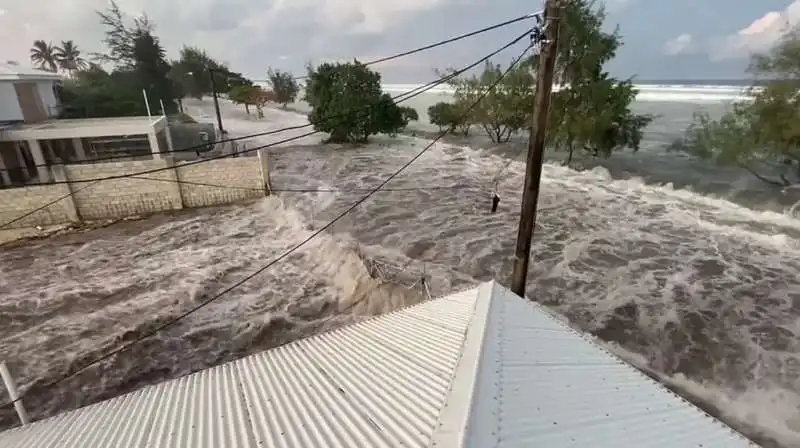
(244, 32)
(759, 36)
(680, 45)
(368, 16)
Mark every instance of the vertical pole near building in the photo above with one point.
(147, 103)
(536, 141)
(216, 101)
(11, 387)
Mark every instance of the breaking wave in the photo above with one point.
(698, 291)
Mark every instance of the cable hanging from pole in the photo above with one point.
(402, 97)
(536, 143)
(536, 15)
(296, 247)
(538, 37)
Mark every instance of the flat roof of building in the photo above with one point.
(82, 127)
(479, 368)
(12, 71)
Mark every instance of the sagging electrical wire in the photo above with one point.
(538, 37)
(440, 43)
(294, 248)
(402, 97)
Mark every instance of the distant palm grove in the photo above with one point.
(66, 56)
(110, 83)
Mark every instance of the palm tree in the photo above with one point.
(42, 54)
(69, 57)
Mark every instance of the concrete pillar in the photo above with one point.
(4, 175)
(154, 148)
(38, 159)
(262, 158)
(51, 152)
(177, 187)
(60, 175)
(77, 145)
(21, 160)
(168, 134)
(62, 150)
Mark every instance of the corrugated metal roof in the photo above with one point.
(541, 383)
(479, 368)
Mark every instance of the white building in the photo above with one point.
(32, 137)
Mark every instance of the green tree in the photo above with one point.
(504, 109)
(243, 94)
(592, 112)
(121, 38)
(151, 71)
(284, 85)
(235, 79)
(193, 71)
(761, 135)
(348, 103)
(138, 57)
(451, 116)
(69, 57)
(190, 72)
(96, 93)
(409, 114)
(388, 118)
(43, 56)
(441, 114)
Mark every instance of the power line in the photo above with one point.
(293, 249)
(440, 43)
(376, 61)
(300, 190)
(403, 97)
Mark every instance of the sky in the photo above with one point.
(663, 39)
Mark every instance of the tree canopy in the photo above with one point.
(505, 109)
(348, 103)
(97, 93)
(194, 69)
(138, 62)
(284, 85)
(69, 58)
(43, 56)
(590, 112)
(448, 116)
(762, 134)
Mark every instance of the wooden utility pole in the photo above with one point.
(533, 170)
(214, 93)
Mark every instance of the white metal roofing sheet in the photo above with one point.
(478, 368)
(540, 383)
(381, 382)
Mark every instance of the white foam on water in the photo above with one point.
(698, 290)
(647, 92)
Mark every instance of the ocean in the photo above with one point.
(685, 269)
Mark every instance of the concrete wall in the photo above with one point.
(242, 172)
(10, 109)
(187, 135)
(172, 189)
(17, 202)
(48, 95)
(9, 104)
